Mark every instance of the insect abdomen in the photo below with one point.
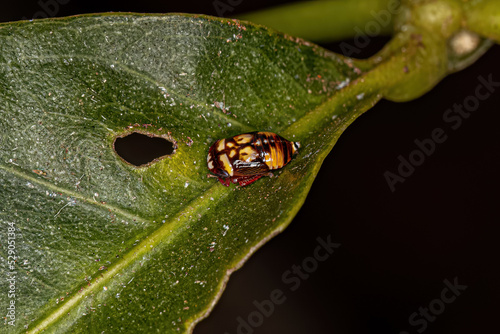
(275, 150)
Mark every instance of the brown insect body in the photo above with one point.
(247, 157)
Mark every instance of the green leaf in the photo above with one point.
(102, 245)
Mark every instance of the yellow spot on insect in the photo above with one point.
(210, 165)
(222, 145)
(226, 164)
(232, 153)
(243, 139)
(267, 157)
(274, 158)
(230, 144)
(268, 160)
(248, 154)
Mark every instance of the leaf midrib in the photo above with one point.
(164, 234)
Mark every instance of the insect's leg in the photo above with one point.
(224, 181)
(248, 180)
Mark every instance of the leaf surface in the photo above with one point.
(102, 245)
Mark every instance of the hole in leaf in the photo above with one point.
(140, 149)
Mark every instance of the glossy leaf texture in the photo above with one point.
(104, 246)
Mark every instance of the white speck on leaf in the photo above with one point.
(343, 83)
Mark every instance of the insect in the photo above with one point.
(247, 157)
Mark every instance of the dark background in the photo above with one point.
(396, 248)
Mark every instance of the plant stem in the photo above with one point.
(483, 17)
(324, 21)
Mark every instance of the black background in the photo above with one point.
(396, 248)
